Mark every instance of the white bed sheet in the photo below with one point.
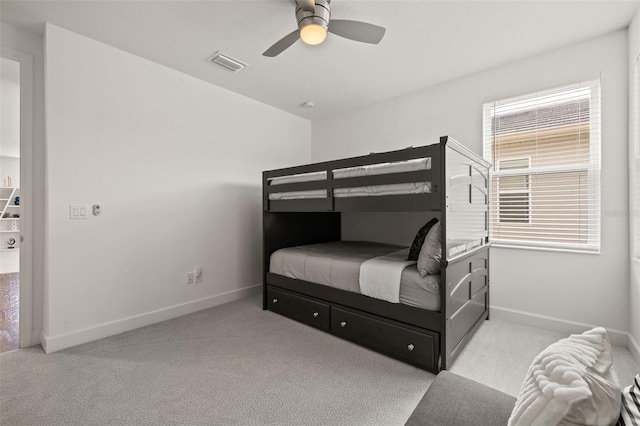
(384, 168)
(301, 177)
(359, 191)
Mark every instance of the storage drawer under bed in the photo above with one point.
(307, 311)
(417, 347)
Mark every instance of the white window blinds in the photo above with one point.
(545, 151)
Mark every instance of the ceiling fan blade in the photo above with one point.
(307, 5)
(282, 44)
(356, 30)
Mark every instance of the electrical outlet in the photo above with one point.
(189, 279)
(198, 275)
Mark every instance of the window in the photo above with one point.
(545, 148)
(514, 196)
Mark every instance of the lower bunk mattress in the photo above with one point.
(352, 265)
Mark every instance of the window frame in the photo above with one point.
(592, 168)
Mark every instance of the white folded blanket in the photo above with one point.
(380, 277)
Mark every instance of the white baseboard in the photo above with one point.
(55, 343)
(36, 335)
(43, 341)
(634, 348)
(617, 337)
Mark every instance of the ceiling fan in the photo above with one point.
(314, 21)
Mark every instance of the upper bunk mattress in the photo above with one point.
(360, 191)
(337, 264)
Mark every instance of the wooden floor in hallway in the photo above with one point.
(9, 311)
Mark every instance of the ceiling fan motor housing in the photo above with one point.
(320, 16)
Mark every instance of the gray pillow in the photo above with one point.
(430, 253)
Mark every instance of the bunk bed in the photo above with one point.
(302, 208)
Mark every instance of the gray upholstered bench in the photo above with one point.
(454, 400)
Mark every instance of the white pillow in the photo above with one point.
(572, 382)
(429, 257)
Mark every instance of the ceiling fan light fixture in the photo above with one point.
(313, 34)
(313, 18)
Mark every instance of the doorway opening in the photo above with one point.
(9, 204)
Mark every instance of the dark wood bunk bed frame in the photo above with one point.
(459, 198)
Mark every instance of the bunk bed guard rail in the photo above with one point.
(466, 197)
(325, 185)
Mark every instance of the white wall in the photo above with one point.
(10, 167)
(548, 289)
(176, 164)
(31, 44)
(10, 108)
(634, 291)
(10, 119)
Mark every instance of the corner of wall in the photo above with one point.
(43, 341)
(634, 348)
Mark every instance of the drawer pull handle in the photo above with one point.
(315, 315)
(410, 347)
(275, 300)
(343, 324)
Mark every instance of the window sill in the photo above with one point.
(549, 249)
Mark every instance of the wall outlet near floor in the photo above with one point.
(189, 278)
(198, 274)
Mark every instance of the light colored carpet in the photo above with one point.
(500, 353)
(230, 365)
(238, 365)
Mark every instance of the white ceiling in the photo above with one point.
(426, 43)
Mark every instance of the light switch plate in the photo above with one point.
(77, 211)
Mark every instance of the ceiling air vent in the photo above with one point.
(227, 62)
